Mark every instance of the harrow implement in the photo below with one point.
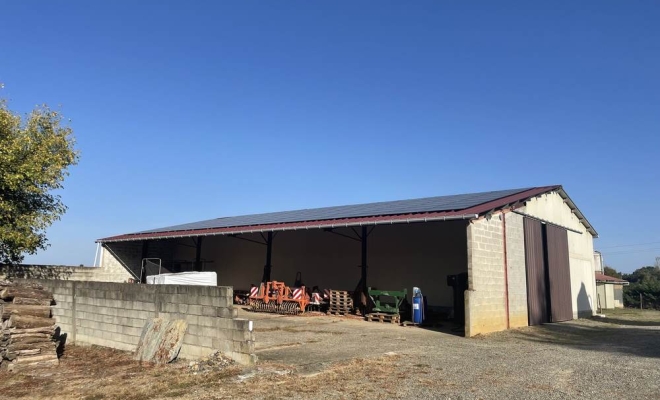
(276, 297)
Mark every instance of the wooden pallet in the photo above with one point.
(339, 294)
(341, 303)
(382, 317)
(339, 312)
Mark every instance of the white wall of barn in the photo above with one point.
(399, 256)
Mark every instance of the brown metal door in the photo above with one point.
(537, 295)
(559, 274)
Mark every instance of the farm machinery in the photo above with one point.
(278, 298)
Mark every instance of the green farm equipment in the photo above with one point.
(388, 307)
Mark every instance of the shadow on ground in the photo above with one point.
(590, 335)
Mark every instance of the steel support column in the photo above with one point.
(269, 254)
(198, 254)
(364, 259)
(143, 268)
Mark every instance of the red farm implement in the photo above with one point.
(276, 297)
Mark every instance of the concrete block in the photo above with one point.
(246, 346)
(210, 311)
(224, 345)
(225, 312)
(240, 335)
(211, 322)
(244, 359)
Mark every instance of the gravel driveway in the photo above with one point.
(614, 357)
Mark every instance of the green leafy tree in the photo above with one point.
(644, 281)
(35, 154)
(609, 271)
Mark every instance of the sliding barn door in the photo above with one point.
(537, 294)
(559, 274)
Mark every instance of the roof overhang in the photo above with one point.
(577, 212)
(474, 212)
(609, 280)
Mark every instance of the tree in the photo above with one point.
(609, 271)
(35, 154)
(644, 281)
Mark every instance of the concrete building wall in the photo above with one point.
(618, 296)
(551, 207)
(485, 300)
(113, 315)
(611, 296)
(602, 297)
(399, 256)
(517, 272)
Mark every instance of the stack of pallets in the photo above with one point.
(340, 303)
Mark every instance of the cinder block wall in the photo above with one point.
(113, 314)
(485, 300)
(517, 273)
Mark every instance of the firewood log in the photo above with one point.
(32, 302)
(17, 291)
(28, 321)
(35, 311)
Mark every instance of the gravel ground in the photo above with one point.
(316, 357)
(613, 357)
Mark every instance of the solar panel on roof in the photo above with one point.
(428, 204)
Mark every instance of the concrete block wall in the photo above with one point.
(122, 257)
(113, 314)
(123, 260)
(517, 273)
(485, 300)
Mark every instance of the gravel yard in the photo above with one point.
(329, 357)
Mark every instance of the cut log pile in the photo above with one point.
(26, 327)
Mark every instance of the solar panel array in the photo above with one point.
(428, 204)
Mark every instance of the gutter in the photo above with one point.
(284, 228)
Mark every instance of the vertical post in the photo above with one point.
(641, 305)
(269, 254)
(198, 254)
(364, 259)
(143, 266)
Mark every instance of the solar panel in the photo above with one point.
(428, 204)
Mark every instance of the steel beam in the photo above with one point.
(269, 255)
(198, 254)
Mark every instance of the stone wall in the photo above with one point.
(113, 314)
(65, 272)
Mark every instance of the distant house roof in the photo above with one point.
(602, 278)
(462, 206)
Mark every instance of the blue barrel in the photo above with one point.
(417, 309)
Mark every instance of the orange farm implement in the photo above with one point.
(276, 297)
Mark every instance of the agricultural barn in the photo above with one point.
(517, 257)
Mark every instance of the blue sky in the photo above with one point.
(193, 110)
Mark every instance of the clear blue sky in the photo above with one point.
(193, 110)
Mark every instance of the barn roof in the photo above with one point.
(462, 206)
(600, 277)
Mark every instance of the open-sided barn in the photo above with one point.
(526, 254)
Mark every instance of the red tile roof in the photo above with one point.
(600, 277)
